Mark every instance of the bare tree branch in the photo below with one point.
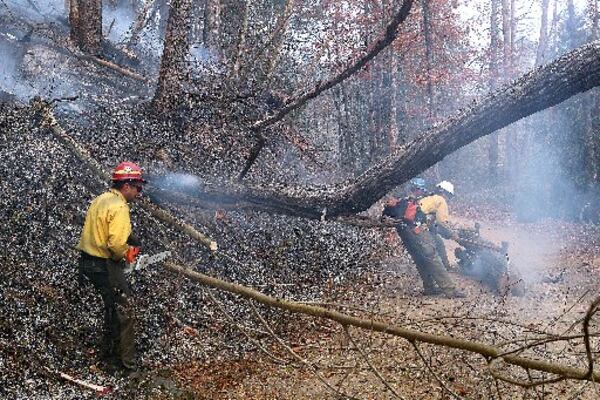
(293, 104)
(488, 351)
(303, 361)
(525, 384)
(586, 330)
(242, 329)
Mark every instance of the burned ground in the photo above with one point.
(50, 321)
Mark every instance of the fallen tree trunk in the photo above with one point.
(489, 352)
(544, 87)
(569, 75)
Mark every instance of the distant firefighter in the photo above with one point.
(414, 229)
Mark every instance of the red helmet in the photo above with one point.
(127, 171)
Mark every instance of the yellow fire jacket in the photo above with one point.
(107, 227)
(436, 205)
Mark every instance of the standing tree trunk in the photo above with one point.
(493, 144)
(508, 33)
(506, 37)
(393, 132)
(428, 57)
(176, 48)
(276, 40)
(85, 18)
(212, 25)
(345, 139)
(241, 43)
(543, 43)
(431, 113)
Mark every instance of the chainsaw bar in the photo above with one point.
(146, 260)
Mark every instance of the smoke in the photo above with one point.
(117, 22)
(8, 66)
(35, 11)
(180, 182)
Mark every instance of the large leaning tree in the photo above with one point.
(574, 73)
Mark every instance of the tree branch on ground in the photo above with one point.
(242, 329)
(313, 368)
(586, 331)
(432, 372)
(488, 351)
(494, 364)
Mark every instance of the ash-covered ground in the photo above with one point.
(51, 323)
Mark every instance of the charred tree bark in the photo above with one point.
(85, 18)
(575, 72)
(176, 48)
(212, 24)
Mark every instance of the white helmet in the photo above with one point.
(447, 186)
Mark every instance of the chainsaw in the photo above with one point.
(146, 260)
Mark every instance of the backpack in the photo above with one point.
(408, 210)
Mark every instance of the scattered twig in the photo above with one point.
(558, 318)
(244, 332)
(433, 373)
(313, 368)
(113, 66)
(371, 366)
(100, 390)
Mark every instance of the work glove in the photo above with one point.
(131, 254)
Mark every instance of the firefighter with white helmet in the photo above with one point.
(435, 207)
(106, 245)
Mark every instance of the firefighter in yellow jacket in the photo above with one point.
(106, 245)
(435, 207)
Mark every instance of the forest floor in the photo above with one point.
(560, 263)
